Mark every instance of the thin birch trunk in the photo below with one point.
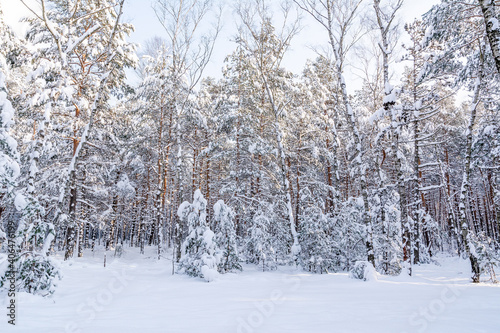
(389, 102)
(476, 272)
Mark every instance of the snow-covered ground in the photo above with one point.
(135, 293)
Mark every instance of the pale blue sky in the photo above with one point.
(141, 14)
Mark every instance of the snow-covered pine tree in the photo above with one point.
(322, 137)
(26, 233)
(315, 236)
(348, 231)
(208, 163)
(200, 254)
(239, 137)
(80, 58)
(189, 50)
(387, 220)
(225, 237)
(158, 94)
(9, 157)
(268, 47)
(463, 31)
(422, 98)
(258, 246)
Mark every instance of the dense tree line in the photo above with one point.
(261, 165)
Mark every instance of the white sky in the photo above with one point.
(142, 16)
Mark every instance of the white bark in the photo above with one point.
(389, 103)
(467, 167)
(492, 27)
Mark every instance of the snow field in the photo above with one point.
(135, 293)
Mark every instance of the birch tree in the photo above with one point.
(492, 28)
(337, 18)
(385, 21)
(469, 249)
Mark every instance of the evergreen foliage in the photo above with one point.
(225, 238)
(200, 253)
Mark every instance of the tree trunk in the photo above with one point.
(466, 174)
(285, 185)
(71, 231)
(357, 159)
(388, 104)
(492, 28)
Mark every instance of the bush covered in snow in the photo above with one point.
(487, 255)
(363, 270)
(34, 273)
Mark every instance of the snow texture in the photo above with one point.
(135, 292)
(20, 202)
(494, 23)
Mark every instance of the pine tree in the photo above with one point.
(459, 29)
(259, 249)
(31, 237)
(267, 48)
(9, 166)
(200, 254)
(316, 237)
(76, 70)
(225, 237)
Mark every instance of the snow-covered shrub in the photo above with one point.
(363, 270)
(488, 257)
(35, 271)
(226, 237)
(281, 240)
(200, 254)
(35, 274)
(118, 250)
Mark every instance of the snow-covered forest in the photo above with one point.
(259, 167)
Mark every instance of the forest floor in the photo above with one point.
(136, 293)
